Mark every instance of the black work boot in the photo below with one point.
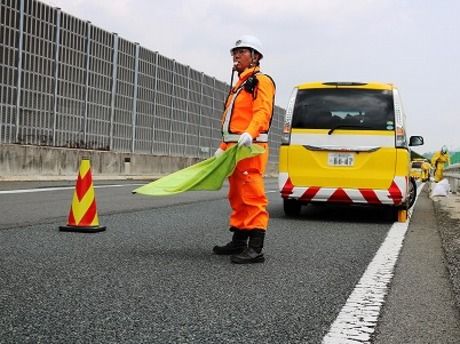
(253, 253)
(237, 245)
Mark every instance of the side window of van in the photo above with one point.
(328, 108)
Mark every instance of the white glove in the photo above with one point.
(219, 152)
(245, 140)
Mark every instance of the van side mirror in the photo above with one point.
(416, 141)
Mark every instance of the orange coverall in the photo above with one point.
(251, 113)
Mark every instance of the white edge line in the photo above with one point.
(18, 191)
(61, 188)
(357, 320)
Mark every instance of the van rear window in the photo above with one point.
(333, 108)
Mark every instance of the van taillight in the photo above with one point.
(286, 136)
(401, 141)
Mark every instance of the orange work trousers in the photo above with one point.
(247, 193)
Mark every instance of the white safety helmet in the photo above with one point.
(248, 41)
(444, 149)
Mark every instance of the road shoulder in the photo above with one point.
(420, 306)
(447, 211)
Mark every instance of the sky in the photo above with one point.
(414, 44)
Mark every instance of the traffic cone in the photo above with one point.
(83, 214)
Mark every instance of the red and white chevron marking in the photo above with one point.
(394, 195)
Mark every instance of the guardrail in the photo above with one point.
(452, 173)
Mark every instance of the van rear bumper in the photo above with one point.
(395, 195)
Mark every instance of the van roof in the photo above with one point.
(346, 84)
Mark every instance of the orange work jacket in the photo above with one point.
(250, 112)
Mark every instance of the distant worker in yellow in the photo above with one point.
(438, 161)
(426, 167)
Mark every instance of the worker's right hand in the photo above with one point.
(218, 152)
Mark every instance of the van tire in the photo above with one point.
(291, 207)
(412, 194)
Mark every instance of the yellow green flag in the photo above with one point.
(207, 175)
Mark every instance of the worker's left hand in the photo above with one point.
(245, 140)
(219, 152)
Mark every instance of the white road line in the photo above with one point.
(18, 191)
(357, 320)
(62, 188)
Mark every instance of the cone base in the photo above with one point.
(82, 229)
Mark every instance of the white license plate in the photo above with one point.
(341, 159)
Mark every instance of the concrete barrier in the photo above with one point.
(23, 162)
(452, 173)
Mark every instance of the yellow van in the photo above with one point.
(416, 168)
(420, 169)
(345, 142)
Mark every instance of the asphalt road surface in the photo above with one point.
(151, 276)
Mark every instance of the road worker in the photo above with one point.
(246, 121)
(426, 167)
(438, 161)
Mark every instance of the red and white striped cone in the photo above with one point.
(83, 214)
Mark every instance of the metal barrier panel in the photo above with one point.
(123, 119)
(221, 90)
(178, 111)
(9, 33)
(163, 104)
(99, 90)
(34, 121)
(145, 101)
(208, 123)
(275, 136)
(71, 83)
(67, 83)
(192, 129)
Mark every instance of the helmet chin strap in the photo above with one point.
(253, 58)
(253, 63)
